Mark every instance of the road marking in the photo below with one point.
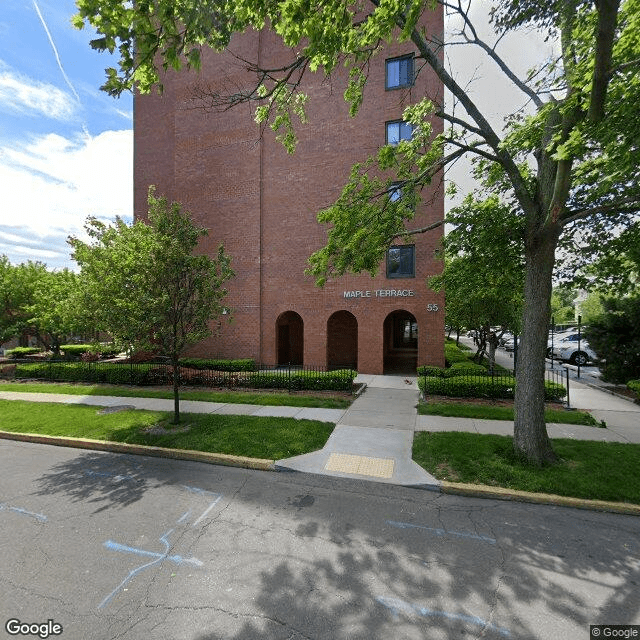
(441, 532)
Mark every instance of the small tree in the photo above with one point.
(54, 314)
(144, 285)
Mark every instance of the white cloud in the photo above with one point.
(25, 96)
(53, 183)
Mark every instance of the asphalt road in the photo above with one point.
(113, 546)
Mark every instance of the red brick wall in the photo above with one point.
(261, 202)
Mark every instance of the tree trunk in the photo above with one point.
(176, 386)
(530, 438)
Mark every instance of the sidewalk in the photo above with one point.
(186, 406)
(373, 438)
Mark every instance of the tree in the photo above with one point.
(55, 313)
(484, 268)
(615, 337)
(18, 286)
(571, 166)
(143, 284)
(563, 305)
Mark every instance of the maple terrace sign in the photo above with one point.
(381, 293)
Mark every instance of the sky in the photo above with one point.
(66, 148)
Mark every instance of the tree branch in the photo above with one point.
(626, 205)
(491, 52)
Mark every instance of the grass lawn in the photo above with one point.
(491, 411)
(270, 438)
(330, 400)
(590, 470)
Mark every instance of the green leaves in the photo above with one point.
(142, 283)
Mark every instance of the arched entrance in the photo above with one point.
(342, 341)
(289, 338)
(400, 343)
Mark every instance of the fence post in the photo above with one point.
(567, 379)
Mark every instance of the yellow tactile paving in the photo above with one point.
(360, 465)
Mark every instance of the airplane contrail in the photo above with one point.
(55, 51)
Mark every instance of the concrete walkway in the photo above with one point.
(373, 438)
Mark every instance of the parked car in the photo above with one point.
(510, 344)
(567, 349)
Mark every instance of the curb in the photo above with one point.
(142, 450)
(260, 464)
(499, 493)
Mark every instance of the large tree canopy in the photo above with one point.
(571, 167)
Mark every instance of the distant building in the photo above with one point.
(261, 203)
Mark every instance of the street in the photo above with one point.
(113, 546)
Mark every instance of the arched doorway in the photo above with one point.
(289, 338)
(400, 343)
(342, 341)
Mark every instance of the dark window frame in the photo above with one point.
(402, 274)
(398, 122)
(410, 75)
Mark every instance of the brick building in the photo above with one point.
(261, 203)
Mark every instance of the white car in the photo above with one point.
(567, 349)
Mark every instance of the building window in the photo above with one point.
(395, 191)
(399, 72)
(401, 261)
(398, 130)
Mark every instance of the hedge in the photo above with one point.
(247, 364)
(140, 374)
(77, 350)
(466, 368)
(634, 385)
(502, 387)
(454, 354)
(426, 370)
(21, 352)
(145, 374)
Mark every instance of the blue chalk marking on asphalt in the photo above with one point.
(396, 606)
(158, 557)
(184, 516)
(116, 546)
(24, 512)
(441, 532)
(203, 492)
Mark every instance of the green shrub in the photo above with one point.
(454, 354)
(466, 369)
(145, 374)
(246, 364)
(426, 370)
(94, 372)
(339, 380)
(502, 387)
(634, 385)
(78, 350)
(21, 352)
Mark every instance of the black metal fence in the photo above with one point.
(290, 378)
(496, 385)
